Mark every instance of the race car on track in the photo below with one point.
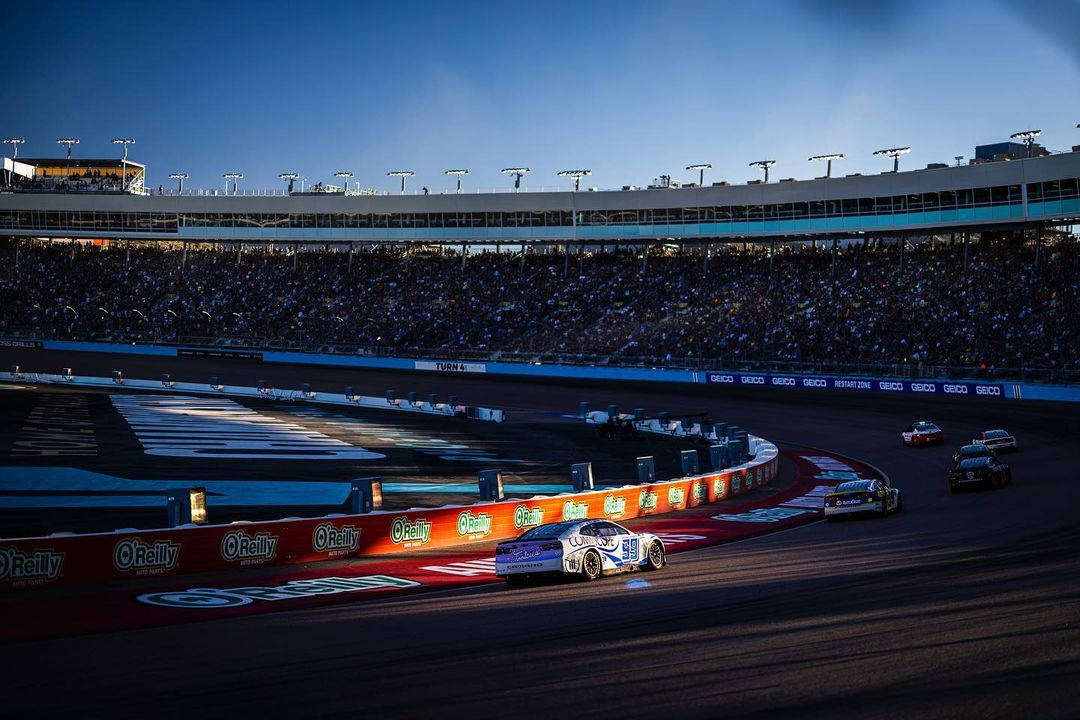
(922, 433)
(586, 548)
(979, 472)
(856, 497)
(997, 440)
(972, 451)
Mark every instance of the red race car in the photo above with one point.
(922, 433)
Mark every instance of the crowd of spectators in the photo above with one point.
(1008, 306)
(89, 181)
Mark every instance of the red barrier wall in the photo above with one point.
(68, 560)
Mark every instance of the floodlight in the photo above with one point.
(180, 177)
(69, 142)
(401, 174)
(125, 142)
(458, 173)
(518, 172)
(828, 159)
(1028, 138)
(14, 142)
(958, 159)
(701, 168)
(895, 154)
(344, 175)
(764, 165)
(576, 174)
(234, 176)
(291, 177)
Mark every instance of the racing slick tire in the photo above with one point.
(899, 502)
(655, 557)
(591, 566)
(884, 511)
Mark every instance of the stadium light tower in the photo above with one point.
(401, 174)
(344, 175)
(958, 159)
(125, 142)
(290, 177)
(179, 177)
(518, 173)
(828, 159)
(458, 173)
(69, 142)
(701, 168)
(14, 142)
(1028, 138)
(234, 176)
(895, 154)
(764, 165)
(576, 174)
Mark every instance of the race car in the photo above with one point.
(585, 548)
(997, 440)
(972, 451)
(979, 472)
(856, 497)
(922, 433)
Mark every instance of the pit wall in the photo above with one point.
(884, 385)
(59, 560)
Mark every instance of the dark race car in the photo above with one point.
(975, 450)
(859, 497)
(997, 440)
(922, 433)
(979, 472)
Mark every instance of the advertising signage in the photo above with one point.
(832, 382)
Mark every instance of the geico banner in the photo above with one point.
(821, 382)
(93, 558)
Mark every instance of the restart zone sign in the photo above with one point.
(811, 382)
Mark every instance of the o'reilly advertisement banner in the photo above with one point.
(811, 382)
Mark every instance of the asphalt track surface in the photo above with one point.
(963, 606)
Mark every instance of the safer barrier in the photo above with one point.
(73, 559)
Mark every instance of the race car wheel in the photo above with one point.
(899, 502)
(656, 557)
(591, 568)
(884, 512)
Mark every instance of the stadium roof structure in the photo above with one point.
(73, 163)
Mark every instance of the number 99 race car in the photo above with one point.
(585, 548)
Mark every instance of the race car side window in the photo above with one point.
(589, 530)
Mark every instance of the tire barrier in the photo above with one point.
(60, 560)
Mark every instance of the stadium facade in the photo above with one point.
(1018, 194)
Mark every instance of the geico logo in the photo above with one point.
(890, 385)
(134, 554)
(238, 545)
(39, 565)
(987, 390)
(814, 382)
(752, 380)
(956, 389)
(402, 530)
(326, 537)
(722, 378)
(783, 381)
(923, 387)
(525, 516)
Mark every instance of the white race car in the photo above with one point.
(589, 548)
(997, 440)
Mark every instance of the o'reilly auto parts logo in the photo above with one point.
(216, 598)
(525, 516)
(736, 483)
(614, 505)
(574, 510)
(410, 533)
(676, 496)
(335, 540)
(647, 500)
(474, 526)
(145, 558)
(239, 546)
(719, 487)
(39, 566)
(697, 491)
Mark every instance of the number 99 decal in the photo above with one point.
(630, 549)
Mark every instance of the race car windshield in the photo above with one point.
(853, 486)
(546, 532)
(974, 462)
(924, 426)
(991, 434)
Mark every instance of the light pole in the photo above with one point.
(234, 176)
(518, 173)
(180, 177)
(125, 142)
(701, 168)
(14, 142)
(1028, 138)
(958, 159)
(895, 154)
(344, 175)
(764, 165)
(289, 177)
(69, 142)
(828, 159)
(576, 174)
(458, 173)
(401, 174)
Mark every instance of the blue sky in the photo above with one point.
(628, 89)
